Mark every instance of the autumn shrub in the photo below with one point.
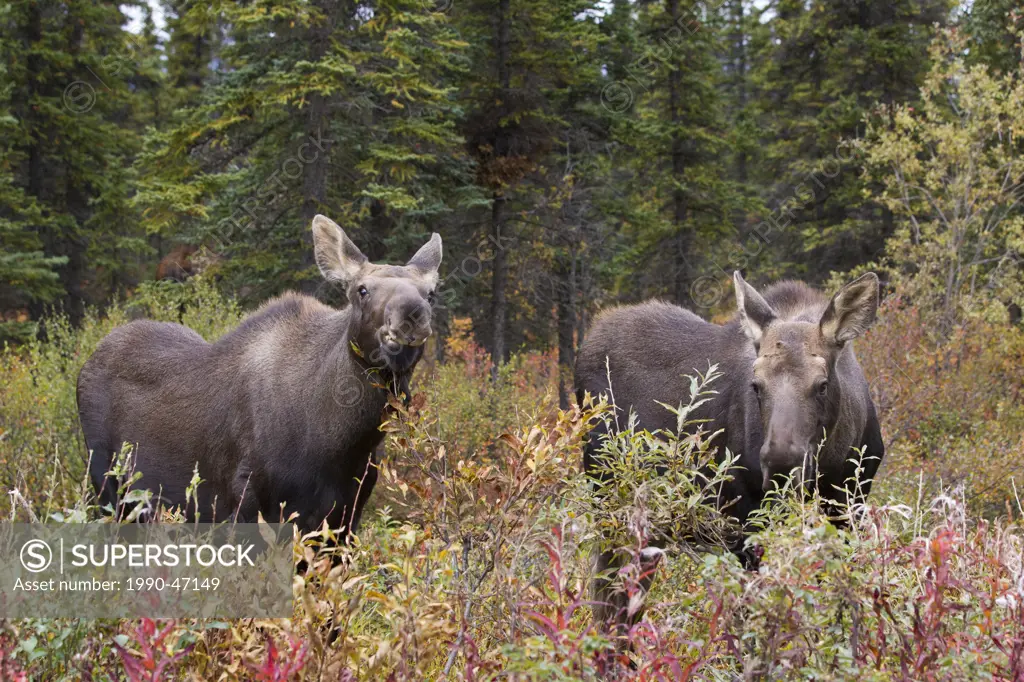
(468, 405)
(471, 405)
(908, 593)
(489, 579)
(477, 560)
(951, 405)
(496, 548)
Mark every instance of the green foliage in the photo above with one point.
(993, 28)
(68, 69)
(570, 153)
(951, 170)
(26, 273)
(681, 198)
(821, 68)
(658, 488)
(319, 108)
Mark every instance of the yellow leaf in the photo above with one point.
(351, 582)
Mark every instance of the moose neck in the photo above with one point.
(841, 435)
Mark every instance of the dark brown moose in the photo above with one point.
(789, 379)
(281, 413)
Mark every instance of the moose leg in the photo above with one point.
(749, 557)
(244, 490)
(738, 503)
(100, 458)
(609, 603)
(618, 606)
(360, 493)
(342, 502)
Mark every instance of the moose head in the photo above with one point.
(797, 376)
(390, 304)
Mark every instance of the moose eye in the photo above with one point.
(823, 388)
(363, 293)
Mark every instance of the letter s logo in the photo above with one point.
(36, 556)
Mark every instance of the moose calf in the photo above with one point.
(282, 414)
(789, 381)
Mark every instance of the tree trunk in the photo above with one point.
(35, 170)
(441, 325)
(499, 271)
(315, 171)
(195, 75)
(73, 246)
(740, 74)
(684, 240)
(76, 203)
(499, 267)
(314, 175)
(565, 283)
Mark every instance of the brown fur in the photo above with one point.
(650, 349)
(282, 412)
(177, 265)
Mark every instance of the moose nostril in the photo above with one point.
(780, 458)
(409, 324)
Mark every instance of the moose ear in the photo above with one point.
(755, 313)
(851, 311)
(428, 259)
(338, 258)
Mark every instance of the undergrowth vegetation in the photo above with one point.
(475, 561)
(951, 406)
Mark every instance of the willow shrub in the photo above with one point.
(488, 573)
(477, 563)
(487, 577)
(951, 406)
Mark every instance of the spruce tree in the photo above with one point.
(535, 63)
(993, 27)
(27, 275)
(823, 67)
(682, 200)
(67, 68)
(321, 108)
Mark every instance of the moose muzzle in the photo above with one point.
(407, 323)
